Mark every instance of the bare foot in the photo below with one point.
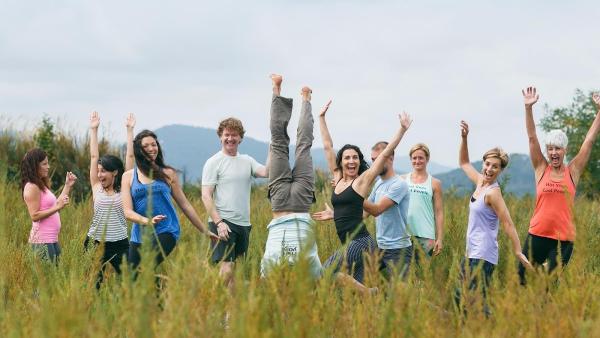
(277, 79)
(306, 93)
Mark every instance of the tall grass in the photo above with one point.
(38, 299)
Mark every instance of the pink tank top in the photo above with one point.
(46, 230)
(553, 214)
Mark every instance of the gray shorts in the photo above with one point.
(46, 251)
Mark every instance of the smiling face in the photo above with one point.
(150, 147)
(230, 140)
(43, 168)
(106, 178)
(350, 163)
(556, 155)
(491, 169)
(419, 160)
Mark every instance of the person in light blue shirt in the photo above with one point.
(389, 202)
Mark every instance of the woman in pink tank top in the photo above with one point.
(551, 228)
(41, 203)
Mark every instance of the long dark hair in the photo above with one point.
(112, 163)
(362, 167)
(153, 169)
(30, 169)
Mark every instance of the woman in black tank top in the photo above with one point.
(353, 179)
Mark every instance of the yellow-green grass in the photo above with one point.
(38, 299)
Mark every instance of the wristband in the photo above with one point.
(219, 222)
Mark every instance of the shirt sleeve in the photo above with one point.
(209, 172)
(254, 165)
(398, 190)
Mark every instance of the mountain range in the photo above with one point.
(187, 148)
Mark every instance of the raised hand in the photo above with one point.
(130, 121)
(464, 129)
(530, 96)
(325, 108)
(94, 120)
(405, 120)
(70, 179)
(324, 215)
(596, 99)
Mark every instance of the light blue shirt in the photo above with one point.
(391, 224)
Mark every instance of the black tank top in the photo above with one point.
(347, 214)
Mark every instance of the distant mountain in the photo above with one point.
(187, 148)
(518, 178)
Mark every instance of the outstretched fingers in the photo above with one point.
(530, 95)
(596, 99)
(130, 121)
(325, 108)
(405, 120)
(94, 120)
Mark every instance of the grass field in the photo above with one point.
(41, 300)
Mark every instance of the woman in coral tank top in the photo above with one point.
(551, 228)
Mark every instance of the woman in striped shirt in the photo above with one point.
(109, 226)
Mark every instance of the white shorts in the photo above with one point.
(290, 237)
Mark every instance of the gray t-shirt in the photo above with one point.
(391, 224)
(231, 177)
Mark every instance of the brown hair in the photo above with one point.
(29, 169)
(419, 146)
(379, 146)
(233, 124)
(499, 154)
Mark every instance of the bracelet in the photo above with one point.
(219, 222)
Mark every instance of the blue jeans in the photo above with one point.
(47, 251)
(471, 272)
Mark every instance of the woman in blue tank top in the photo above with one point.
(486, 210)
(353, 179)
(153, 178)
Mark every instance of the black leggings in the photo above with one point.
(539, 249)
(167, 244)
(113, 254)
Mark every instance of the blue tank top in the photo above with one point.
(482, 231)
(161, 205)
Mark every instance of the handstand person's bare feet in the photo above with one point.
(306, 93)
(277, 79)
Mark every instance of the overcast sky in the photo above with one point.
(196, 62)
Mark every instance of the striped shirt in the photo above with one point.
(109, 222)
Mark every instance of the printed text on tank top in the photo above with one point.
(556, 177)
(417, 185)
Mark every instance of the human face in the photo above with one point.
(43, 168)
(106, 178)
(419, 160)
(230, 140)
(350, 163)
(386, 166)
(556, 155)
(150, 147)
(491, 169)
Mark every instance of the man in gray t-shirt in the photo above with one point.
(226, 182)
(388, 202)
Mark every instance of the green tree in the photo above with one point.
(45, 137)
(575, 120)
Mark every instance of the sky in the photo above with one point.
(197, 62)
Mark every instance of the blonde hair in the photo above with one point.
(419, 146)
(499, 154)
(233, 124)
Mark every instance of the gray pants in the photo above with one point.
(46, 251)
(291, 189)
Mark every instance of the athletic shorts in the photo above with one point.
(236, 246)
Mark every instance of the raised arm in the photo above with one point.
(327, 142)
(94, 153)
(530, 97)
(577, 165)
(129, 157)
(463, 154)
(186, 206)
(496, 201)
(364, 181)
(438, 209)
